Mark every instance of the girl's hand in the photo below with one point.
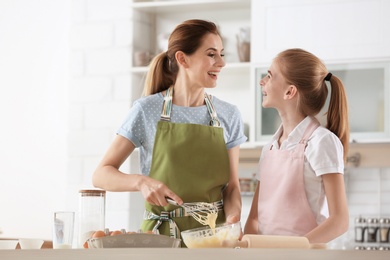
(155, 192)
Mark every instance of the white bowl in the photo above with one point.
(206, 237)
(30, 243)
(8, 244)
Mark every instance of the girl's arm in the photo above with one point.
(251, 225)
(232, 194)
(338, 221)
(108, 177)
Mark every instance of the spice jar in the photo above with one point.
(253, 184)
(384, 226)
(360, 227)
(91, 213)
(245, 184)
(372, 229)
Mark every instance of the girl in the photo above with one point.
(301, 186)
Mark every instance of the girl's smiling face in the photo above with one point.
(274, 87)
(205, 64)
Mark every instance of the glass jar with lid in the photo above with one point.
(384, 228)
(372, 230)
(92, 205)
(360, 227)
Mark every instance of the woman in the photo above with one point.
(301, 187)
(189, 141)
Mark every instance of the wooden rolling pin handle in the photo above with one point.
(264, 241)
(267, 241)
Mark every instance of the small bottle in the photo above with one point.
(384, 227)
(91, 213)
(360, 227)
(372, 230)
(253, 183)
(244, 185)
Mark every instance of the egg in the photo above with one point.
(98, 233)
(116, 232)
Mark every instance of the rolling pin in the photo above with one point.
(267, 241)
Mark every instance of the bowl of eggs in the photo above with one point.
(206, 237)
(122, 239)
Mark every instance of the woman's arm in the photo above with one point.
(251, 225)
(108, 177)
(338, 220)
(232, 194)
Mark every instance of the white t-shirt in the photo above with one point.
(324, 154)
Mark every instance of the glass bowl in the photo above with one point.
(205, 237)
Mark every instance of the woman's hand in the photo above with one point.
(155, 192)
(232, 219)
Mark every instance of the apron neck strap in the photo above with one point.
(167, 108)
(167, 105)
(314, 124)
(213, 114)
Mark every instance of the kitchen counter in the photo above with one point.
(191, 254)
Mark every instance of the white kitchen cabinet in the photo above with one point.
(332, 29)
(351, 37)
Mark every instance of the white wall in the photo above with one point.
(34, 71)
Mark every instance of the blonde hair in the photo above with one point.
(307, 72)
(186, 37)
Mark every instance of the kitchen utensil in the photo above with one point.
(30, 243)
(140, 240)
(203, 212)
(268, 241)
(206, 237)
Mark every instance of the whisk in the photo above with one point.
(203, 212)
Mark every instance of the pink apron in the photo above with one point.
(283, 208)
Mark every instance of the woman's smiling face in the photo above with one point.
(205, 64)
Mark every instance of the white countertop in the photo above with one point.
(192, 254)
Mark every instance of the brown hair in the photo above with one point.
(307, 72)
(186, 37)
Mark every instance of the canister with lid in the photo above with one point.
(372, 230)
(360, 227)
(384, 228)
(91, 213)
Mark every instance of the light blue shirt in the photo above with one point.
(140, 123)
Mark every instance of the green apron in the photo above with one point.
(192, 160)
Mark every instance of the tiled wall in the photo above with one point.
(100, 94)
(368, 194)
